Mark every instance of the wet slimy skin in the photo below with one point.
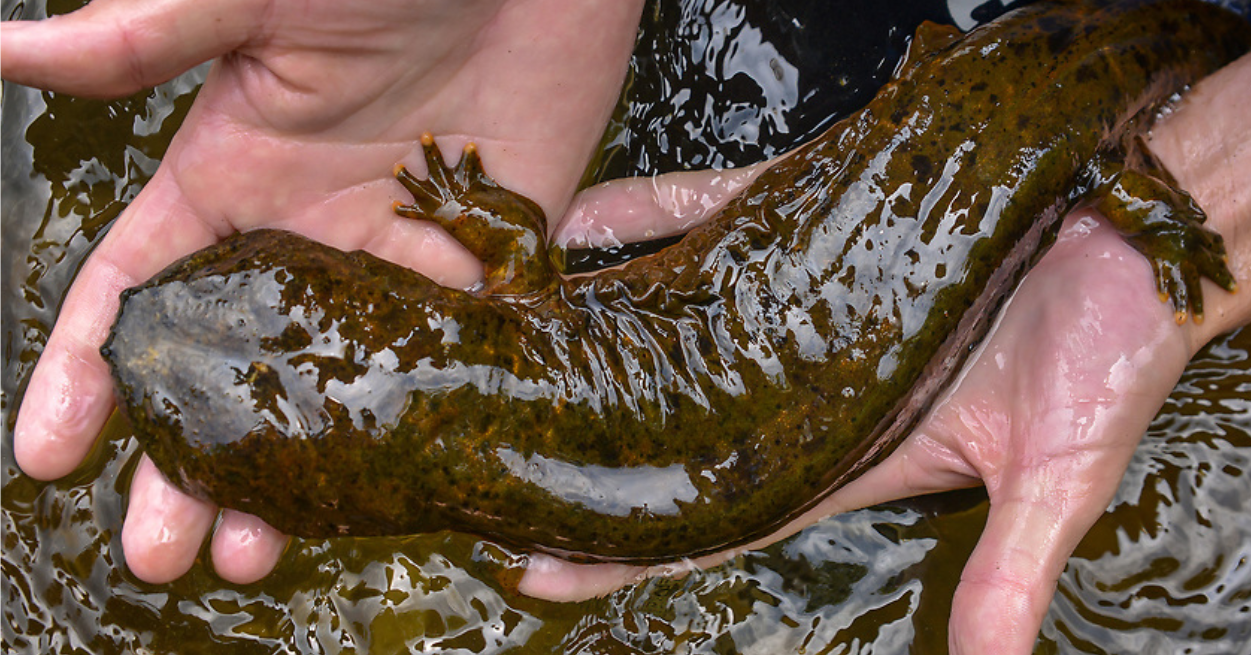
(700, 397)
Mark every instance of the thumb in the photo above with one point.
(641, 208)
(1009, 581)
(112, 48)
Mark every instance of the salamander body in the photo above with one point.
(699, 397)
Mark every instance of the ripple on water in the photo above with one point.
(1167, 569)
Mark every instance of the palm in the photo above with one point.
(1048, 417)
(299, 126)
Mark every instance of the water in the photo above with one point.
(1166, 570)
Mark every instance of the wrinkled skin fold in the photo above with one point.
(697, 398)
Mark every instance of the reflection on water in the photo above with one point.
(1173, 555)
(720, 83)
(1166, 569)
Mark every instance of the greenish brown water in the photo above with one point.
(1166, 570)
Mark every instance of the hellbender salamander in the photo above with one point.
(692, 399)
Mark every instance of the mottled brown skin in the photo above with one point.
(697, 398)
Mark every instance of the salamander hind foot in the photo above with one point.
(1166, 226)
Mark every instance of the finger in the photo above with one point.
(164, 527)
(115, 47)
(245, 548)
(69, 398)
(636, 209)
(1009, 580)
(557, 580)
(70, 394)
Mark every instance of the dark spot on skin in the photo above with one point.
(1058, 40)
(922, 166)
(979, 87)
(1051, 24)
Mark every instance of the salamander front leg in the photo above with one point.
(506, 230)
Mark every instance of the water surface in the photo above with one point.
(1166, 570)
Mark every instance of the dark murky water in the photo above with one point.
(1166, 570)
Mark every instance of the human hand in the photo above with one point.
(299, 125)
(1047, 414)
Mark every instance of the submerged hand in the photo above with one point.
(299, 125)
(1050, 411)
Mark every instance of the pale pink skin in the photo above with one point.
(301, 124)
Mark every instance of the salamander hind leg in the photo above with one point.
(506, 230)
(1166, 226)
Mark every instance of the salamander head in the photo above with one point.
(269, 334)
(190, 361)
